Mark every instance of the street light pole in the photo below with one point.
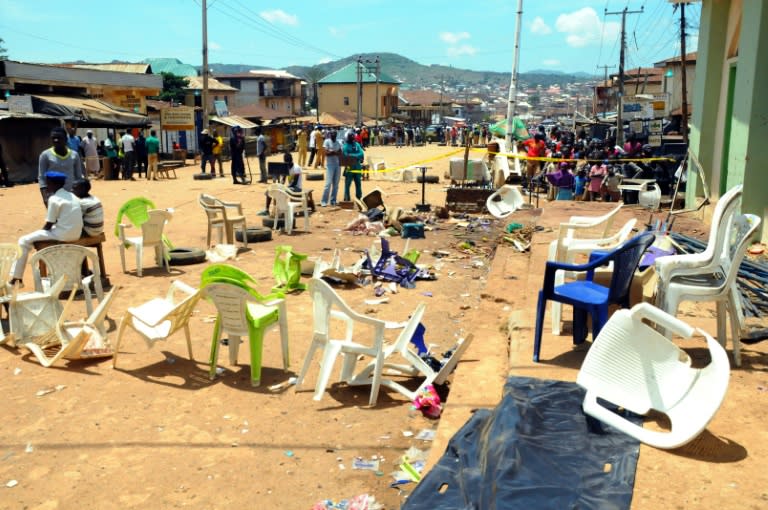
(205, 65)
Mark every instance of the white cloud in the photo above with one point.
(214, 46)
(584, 28)
(323, 60)
(279, 16)
(453, 38)
(551, 62)
(337, 32)
(464, 49)
(539, 27)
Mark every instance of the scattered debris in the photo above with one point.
(46, 391)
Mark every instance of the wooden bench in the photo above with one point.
(88, 242)
(164, 167)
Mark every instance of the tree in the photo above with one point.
(3, 51)
(173, 88)
(314, 75)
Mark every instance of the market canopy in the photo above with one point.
(88, 112)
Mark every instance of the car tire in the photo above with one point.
(203, 177)
(269, 222)
(186, 256)
(254, 235)
(314, 176)
(429, 179)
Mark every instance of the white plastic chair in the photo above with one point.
(67, 259)
(710, 260)
(74, 340)
(240, 314)
(151, 236)
(650, 196)
(718, 286)
(9, 253)
(633, 366)
(286, 207)
(376, 165)
(34, 314)
(568, 248)
(161, 317)
(327, 305)
(223, 217)
(504, 201)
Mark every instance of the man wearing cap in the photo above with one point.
(64, 221)
(207, 142)
(58, 158)
(90, 147)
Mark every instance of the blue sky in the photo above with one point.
(572, 35)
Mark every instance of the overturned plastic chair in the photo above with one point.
(327, 305)
(504, 201)
(718, 285)
(34, 314)
(9, 253)
(287, 269)
(151, 236)
(632, 366)
(75, 340)
(161, 317)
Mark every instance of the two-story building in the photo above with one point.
(338, 92)
(275, 90)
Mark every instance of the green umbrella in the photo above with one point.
(520, 132)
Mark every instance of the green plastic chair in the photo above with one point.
(243, 311)
(287, 269)
(136, 210)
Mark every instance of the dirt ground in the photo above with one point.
(156, 433)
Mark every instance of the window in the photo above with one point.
(346, 100)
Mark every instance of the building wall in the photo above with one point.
(733, 36)
(331, 98)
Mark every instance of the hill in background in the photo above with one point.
(417, 76)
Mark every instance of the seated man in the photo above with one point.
(293, 183)
(64, 221)
(93, 212)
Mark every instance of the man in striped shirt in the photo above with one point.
(93, 212)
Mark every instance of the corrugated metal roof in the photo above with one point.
(234, 120)
(36, 73)
(139, 68)
(171, 65)
(256, 74)
(196, 83)
(348, 74)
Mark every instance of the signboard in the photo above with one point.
(636, 110)
(654, 140)
(646, 106)
(654, 127)
(636, 126)
(221, 108)
(179, 118)
(20, 104)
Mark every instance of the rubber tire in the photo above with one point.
(314, 176)
(203, 177)
(429, 179)
(269, 222)
(186, 256)
(254, 235)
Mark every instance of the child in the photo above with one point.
(611, 183)
(581, 184)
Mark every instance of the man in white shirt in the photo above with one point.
(64, 222)
(90, 147)
(129, 142)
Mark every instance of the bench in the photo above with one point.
(88, 242)
(164, 167)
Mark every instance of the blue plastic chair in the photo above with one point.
(588, 297)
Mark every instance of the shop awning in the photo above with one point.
(88, 112)
(234, 120)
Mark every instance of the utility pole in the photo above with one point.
(605, 82)
(512, 98)
(359, 90)
(683, 83)
(378, 98)
(619, 120)
(442, 86)
(205, 65)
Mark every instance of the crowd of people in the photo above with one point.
(574, 167)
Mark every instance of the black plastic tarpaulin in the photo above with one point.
(87, 112)
(536, 449)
